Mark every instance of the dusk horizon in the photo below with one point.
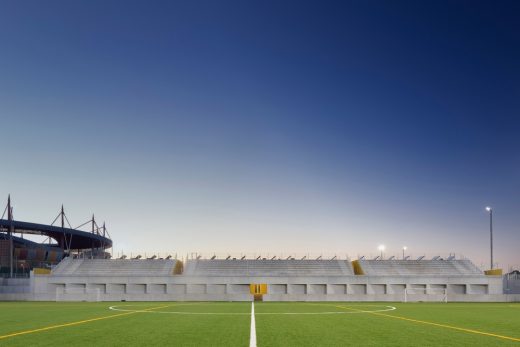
(267, 128)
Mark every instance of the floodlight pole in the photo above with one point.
(92, 243)
(491, 234)
(10, 218)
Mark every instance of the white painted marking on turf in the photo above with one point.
(252, 338)
(116, 308)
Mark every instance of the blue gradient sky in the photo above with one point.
(267, 127)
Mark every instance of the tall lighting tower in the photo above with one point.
(490, 210)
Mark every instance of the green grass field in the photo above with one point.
(277, 324)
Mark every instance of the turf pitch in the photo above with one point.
(277, 324)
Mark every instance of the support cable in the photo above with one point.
(5, 210)
(55, 219)
(67, 221)
(89, 221)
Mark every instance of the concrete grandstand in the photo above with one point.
(269, 280)
(83, 271)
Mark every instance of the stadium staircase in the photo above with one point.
(67, 266)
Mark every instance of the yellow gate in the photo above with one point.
(258, 290)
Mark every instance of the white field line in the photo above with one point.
(387, 308)
(252, 338)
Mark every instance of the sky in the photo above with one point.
(267, 127)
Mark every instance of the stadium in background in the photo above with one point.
(75, 265)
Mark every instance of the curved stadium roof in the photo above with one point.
(66, 237)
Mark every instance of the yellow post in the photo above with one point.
(493, 272)
(41, 271)
(358, 270)
(255, 288)
(179, 268)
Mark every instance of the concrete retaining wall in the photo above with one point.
(236, 288)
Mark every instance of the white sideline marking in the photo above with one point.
(252, 339)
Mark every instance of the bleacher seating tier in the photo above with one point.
(116, 267)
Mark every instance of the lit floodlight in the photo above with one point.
(488, 208)
(381, 248)
(405, 248)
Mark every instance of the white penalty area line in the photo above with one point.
(357, 311)
(252, 336)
